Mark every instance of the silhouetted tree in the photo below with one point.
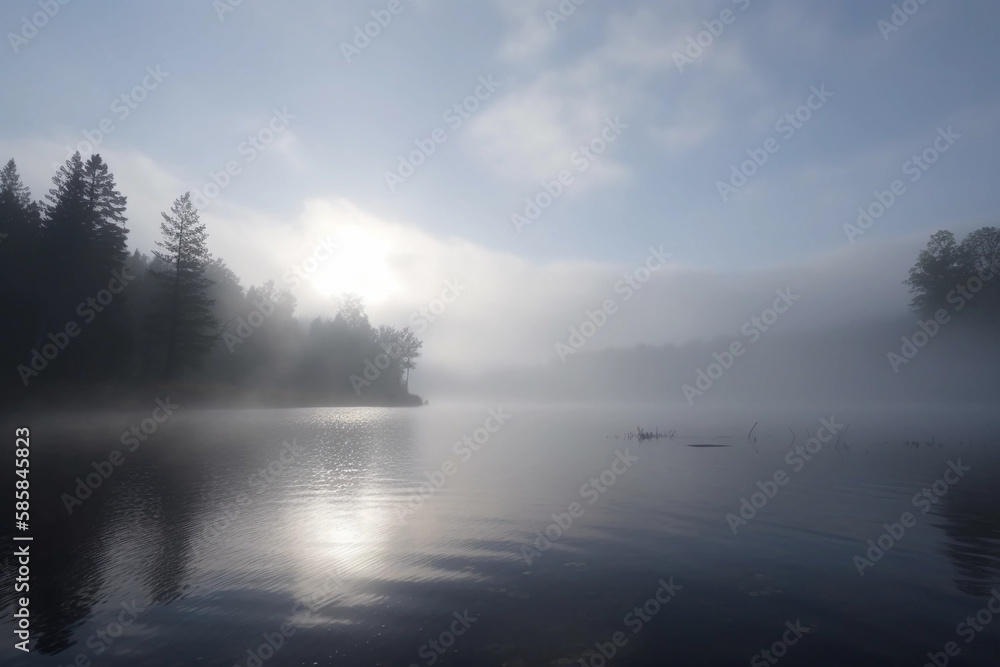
(187, 308)
(18, 213)
(65, 263)
(106, 208)
(67, 241)
(944, 269)
(409, 351)
(20, 298)
(352, 314)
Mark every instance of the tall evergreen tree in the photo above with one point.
(84, 237)
(186, 313)
(18, 213)
(66, 242)
(20, 300)
(20, 226)
(83, 249)
(106, 207)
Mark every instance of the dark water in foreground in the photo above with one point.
(212, 537)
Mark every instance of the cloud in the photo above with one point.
(531, 33)
(512, 310)
(529, 133)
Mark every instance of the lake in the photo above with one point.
(512, 535)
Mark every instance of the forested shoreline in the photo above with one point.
(85, 320)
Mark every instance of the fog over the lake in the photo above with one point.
(746, 160)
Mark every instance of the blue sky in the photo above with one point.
(655, 184)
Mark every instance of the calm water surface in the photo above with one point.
(533, 544)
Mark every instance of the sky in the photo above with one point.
(622, 122)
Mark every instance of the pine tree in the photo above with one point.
(106, 207)
(66, 241)
(17, 211)
(20, 226)
(186, 307)
(84, 247)
(20, 298)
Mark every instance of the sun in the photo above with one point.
(360, 265)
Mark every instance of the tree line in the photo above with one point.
(81, 311)
(959, 276)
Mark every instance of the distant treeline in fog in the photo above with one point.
(83, 316)
(946, 350)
